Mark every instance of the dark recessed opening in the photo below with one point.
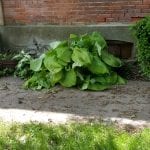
(120, 49)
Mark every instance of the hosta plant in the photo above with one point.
(81, 61)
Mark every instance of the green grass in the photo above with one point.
(90, 136)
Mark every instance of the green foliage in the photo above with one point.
(35, 64)
(6, 56)
(23, 67)
(5, 71)
(69, 78)
(142, 33)
(81, 57)
(97, 66)
(90, 136)
(81, 61)
(111, 60)
(39, 80)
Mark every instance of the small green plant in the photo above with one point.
(22, 69)
(142, 33)
(81, 61)
(5, 70)
(23, 66)
(6, 56)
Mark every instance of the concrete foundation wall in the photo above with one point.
(38, 37)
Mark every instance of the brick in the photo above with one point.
(146, 10)
(135, 19)
(112, 19)
(73, 11)
(146, 1)
(143, 7)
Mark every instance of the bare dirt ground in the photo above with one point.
(127, 104)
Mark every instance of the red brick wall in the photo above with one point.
(73, 11)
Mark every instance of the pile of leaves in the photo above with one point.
(81, 61)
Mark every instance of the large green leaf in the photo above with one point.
(73, 36)
(81, 57)
(86, 83)
(38, 81)
(82, 41)
(97, 38)
(54, 44)
(97, 86)
(55, 78)
(63, 53)
(111, 60)
(97, 66)
(92, 84)
(108, 79)
(120, 80)
(35, 64)
(100, 82)
(51, 63)
(69, 79)
(62, 62)
(85, 41)
(98, 48)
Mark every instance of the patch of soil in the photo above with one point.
(131, 71)
(127, 104)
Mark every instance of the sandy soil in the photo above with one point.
(128, 104)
